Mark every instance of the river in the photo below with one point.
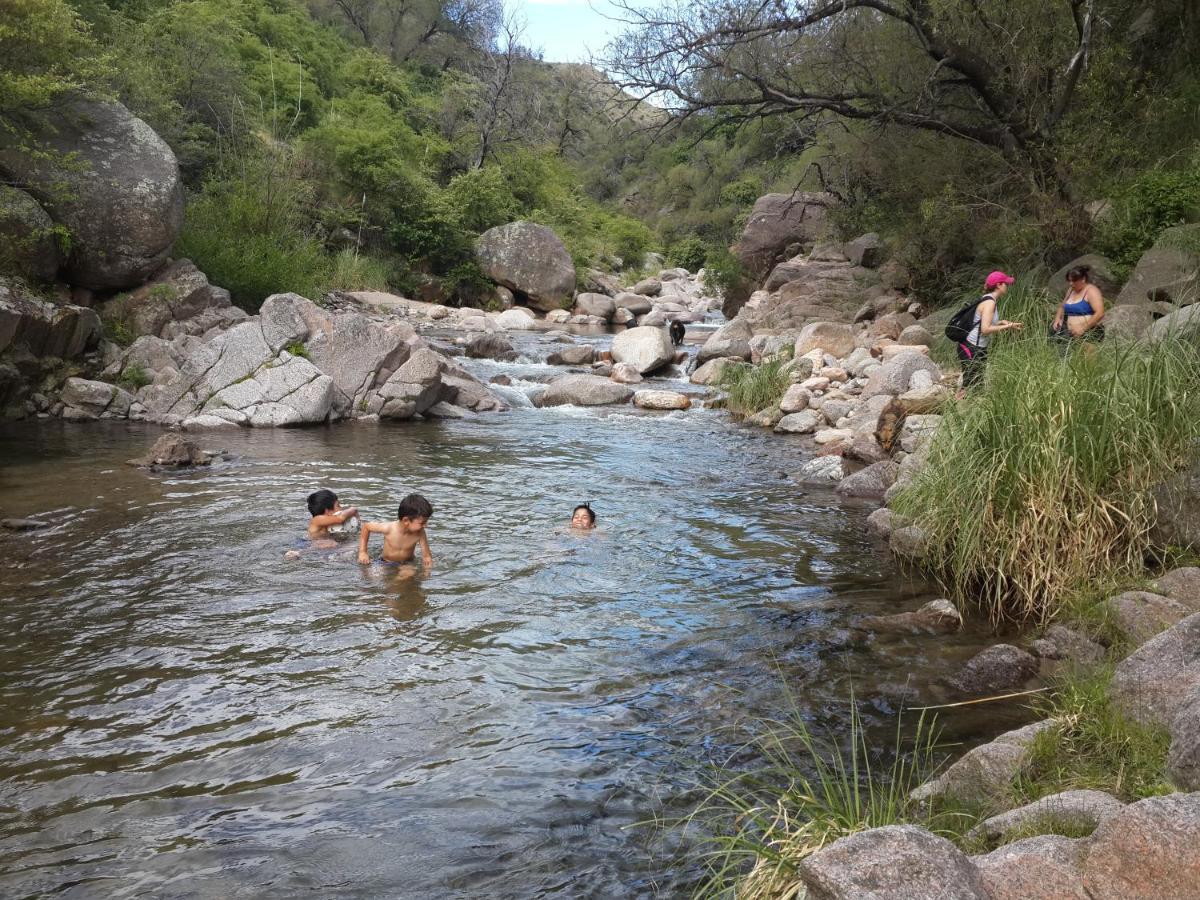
(184, 712)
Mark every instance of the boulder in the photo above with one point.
(491, 346)
(891, 326)
(664, 400)
(597, 282)
(1101, 275)
(986, 772)
(1060, 642)
(583, 390)
(109, 179)
(624, 373)
(1150, 850)
(558, 316)
(515, 319)
(598, 305)
(827, 470)
(29, 245)
(881, 522)
(16, 524)
(1182, 584)
(173, 450)
(1165, 272)
(895, 862)
(176, 292)
(579, 355)
(863, 447)
(777, 221)
(917, 430)
(1183, 761)
(1142, 615)
(1182, 323)
(871, 482)
(529, 259)
(893, 376)
(1151, 684)
(87, 396)
(786, 272)
(998, 668)
(867, 251)
(1079, 810)
(795, 399)
(831, 337)
(764, 418)
(290, 391)
(915, 335)
(934, 617)
(413, 388)
(925, 401)
(647, 287)
(359, 354)
(645, 348)
(1129, 322)
(1046, 867)
(45, 329)
(635, 303)
(804, 422)
(731, 340)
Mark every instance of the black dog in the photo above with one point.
(677, 329)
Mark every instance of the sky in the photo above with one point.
(566, 30)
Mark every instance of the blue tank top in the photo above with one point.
(1079, 307)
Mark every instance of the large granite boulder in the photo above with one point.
(896, 862)
(583, 390)
(1101, 275)
(832, 337)
(413, 388)
(731, 340)
(118, 194)
(599, 305)
(1151, 684)
(1167, 271)
(1046, 867)
(29, 245)
(176, 293)
(45, 329)
(291, 392)
(646, 348)
(529, 259)
(776, 222)
(895, 375)
(1150, 850)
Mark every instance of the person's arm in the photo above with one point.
(986, 310)
(1061, 315)
(364, 535)
(1096, 298)
(338, 518)
(426, 554)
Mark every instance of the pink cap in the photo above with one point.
(997, 278)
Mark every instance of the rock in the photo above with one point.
(896, 862)
(1151, 684)
(596, 282)
(1101, 275)
(529, 259)
(731, 340)
(173, 450)
(1150, 850)
(986, 772)
(833, 436)
(359, 354)
(1183, 761)
(765, 418)
(998, 668)
(45, 329)
(871, 482)
(178, 292)
(23, 524)
(558, 316)
(1047, 867)
(776, 221)
(935, 617)
(824, 470)
(1075, 810)
(597, 305)
(579, 355)
(516, 319)
(835, 339)
(118, 192)
(893, 376)
(1129, 322)
(645, 348)
(89, 396)
(1181, 584)
(623, 317)
(867, 251)
(460, 388)
(804, 422)
(624, 373)
(412, 389)
(917, 430)
(1142, 615)
(1182, 324)
(1164, 272)
(1060, 642)
(492, 346)
(1177, 501)
(29, 246)
(891, 326)
(925, 401)
(661, 400)
(880, 523)
(648, 287)
(291, 391)
(795, 400)
(634, 302)
(915, 335)
(583, 390)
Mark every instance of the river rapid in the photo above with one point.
(184, 712)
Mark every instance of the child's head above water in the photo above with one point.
(321, 502)
(583, 516)
(414, 507)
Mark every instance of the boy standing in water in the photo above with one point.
(402, 536)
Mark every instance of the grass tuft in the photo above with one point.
(750, 389)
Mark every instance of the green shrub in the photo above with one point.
(481, 199)
(134, 377)
(724, 273)
(1039, 485)
(688, 253)
(297, 348)
(628, 239)
(750, 389)
(350, 271)
(1153, 202)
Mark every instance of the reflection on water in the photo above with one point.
(185, 712)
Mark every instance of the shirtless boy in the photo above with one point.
(326, 511)
(402, 536)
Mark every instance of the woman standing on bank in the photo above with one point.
(1082, 309)
(972, 352)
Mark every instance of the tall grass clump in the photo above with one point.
(1040, 483)
(805, 792)
(749, 388)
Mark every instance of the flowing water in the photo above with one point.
(184, 712)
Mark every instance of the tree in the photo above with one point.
(46, 50)
(1000, 73)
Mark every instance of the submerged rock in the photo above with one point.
(23, 524)
(173, 450)
(934, 617)
(998, 668)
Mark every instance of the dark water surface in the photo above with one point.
(186, 713)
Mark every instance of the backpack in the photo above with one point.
(960, 326)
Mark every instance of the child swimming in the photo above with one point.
(326, 511)
(583, 517)
(402, 536)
